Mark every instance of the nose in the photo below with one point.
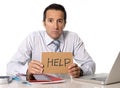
(56, 25)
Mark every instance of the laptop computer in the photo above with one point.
(103, 78)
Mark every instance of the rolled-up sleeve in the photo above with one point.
(19, 62)
(82, 58)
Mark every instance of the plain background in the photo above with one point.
(97, 22)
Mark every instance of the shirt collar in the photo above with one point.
(48, 39)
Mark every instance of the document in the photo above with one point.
(45, 78)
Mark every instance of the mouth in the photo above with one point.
(55, 34)
(55, 31)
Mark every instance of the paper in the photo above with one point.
(45, 78)
(56, 62)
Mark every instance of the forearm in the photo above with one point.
(14, 68)
(88, 68)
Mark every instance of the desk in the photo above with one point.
(68, 84)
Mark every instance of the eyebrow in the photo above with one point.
(57, 19)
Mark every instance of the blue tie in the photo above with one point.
(57, 45)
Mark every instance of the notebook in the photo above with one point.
(46, 78)
(112, 77)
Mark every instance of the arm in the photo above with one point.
(19, 62)
(83, 63)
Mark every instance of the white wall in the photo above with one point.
(96, 21)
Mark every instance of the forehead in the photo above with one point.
(54, 14)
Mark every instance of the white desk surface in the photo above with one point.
(68, 84)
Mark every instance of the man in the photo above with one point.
(54, 20)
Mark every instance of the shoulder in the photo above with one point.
(36, 34)
(70, 34)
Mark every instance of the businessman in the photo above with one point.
(27, 59)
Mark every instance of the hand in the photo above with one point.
(74, 70)
(35, 67)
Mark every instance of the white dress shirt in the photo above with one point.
(38, 42)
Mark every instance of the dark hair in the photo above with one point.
(55, 7)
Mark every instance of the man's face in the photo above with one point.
(54, 23)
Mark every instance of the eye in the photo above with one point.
(50, 20)
(60, 21)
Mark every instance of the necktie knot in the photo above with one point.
(57, 45)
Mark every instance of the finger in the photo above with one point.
(75, 70)
(37, 63)
(35, 71)
(72, 66)
(35, 67)
(75, 74)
